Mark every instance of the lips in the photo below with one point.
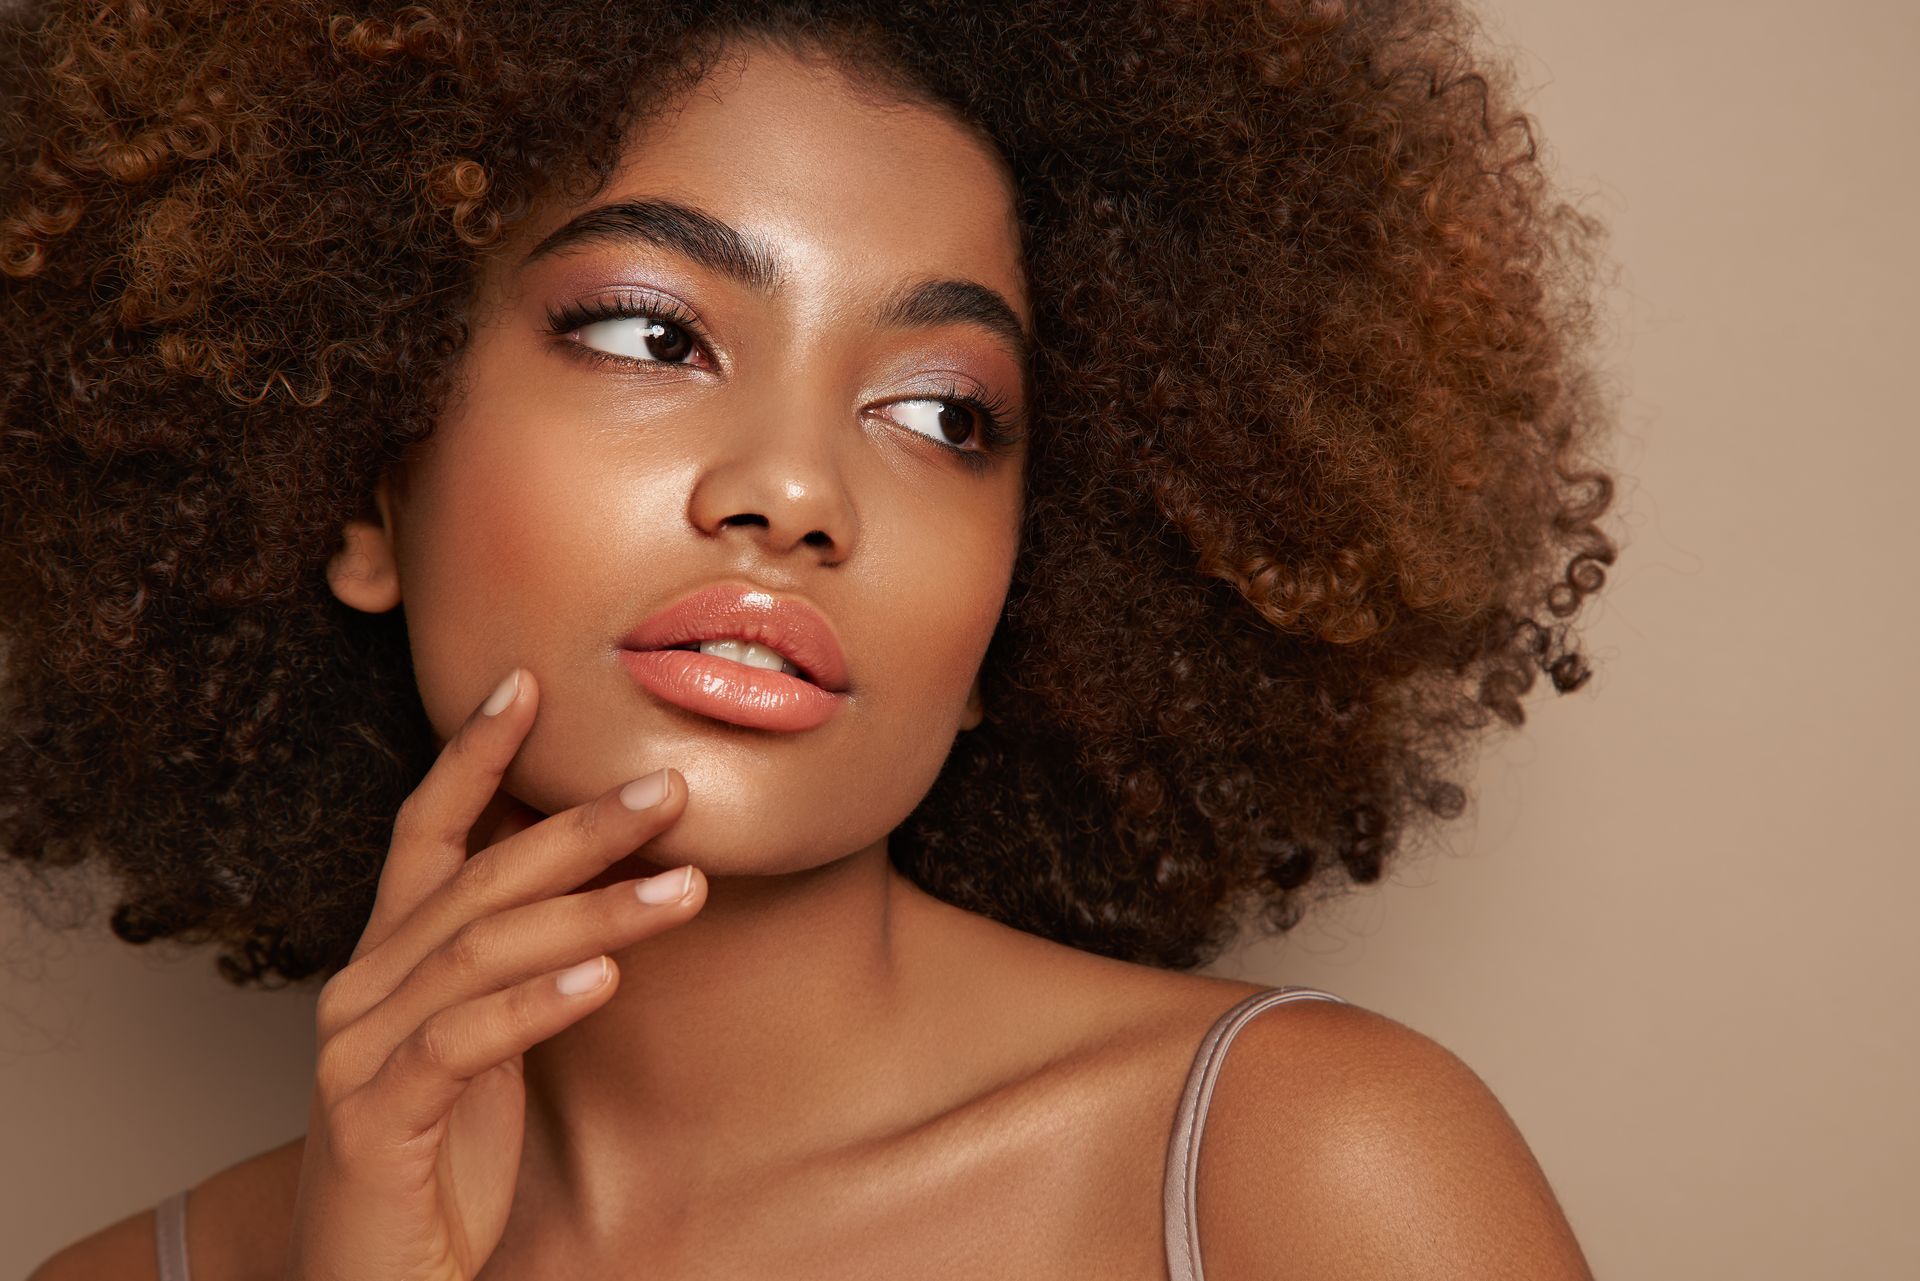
(661, 655)
(732, 611)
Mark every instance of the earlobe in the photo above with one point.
(975, 710)
(365, 573)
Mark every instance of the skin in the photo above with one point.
(590, 496)
(825, 1071)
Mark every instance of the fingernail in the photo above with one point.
(502, 694)
(583, 977)
(645, 793)
(668, 887)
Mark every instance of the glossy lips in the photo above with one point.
(735, 692)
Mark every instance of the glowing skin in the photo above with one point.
(824, 1072)
(824, 1055)
(561, 501)
(818, 1001)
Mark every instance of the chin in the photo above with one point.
(715, 855)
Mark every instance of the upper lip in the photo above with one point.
(741, 611)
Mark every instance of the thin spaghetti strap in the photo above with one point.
(1182, 1227)
(170, 1237)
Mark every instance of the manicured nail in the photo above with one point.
(583, 977)
(645, 793)
(668, 887)
(502, 694)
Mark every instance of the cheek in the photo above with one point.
(490, 557)
(949, 585)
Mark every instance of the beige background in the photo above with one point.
(1674, 935)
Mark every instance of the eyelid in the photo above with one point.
(633, 304)
(1002, 419)
(966, 391)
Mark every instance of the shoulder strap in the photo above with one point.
(170, 1236)
(1183, 1149)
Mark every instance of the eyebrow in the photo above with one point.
(958, 302)
(667, 224)
(727, 251)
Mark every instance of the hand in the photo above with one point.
(419, 1104)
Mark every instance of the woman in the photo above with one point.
(953, 505)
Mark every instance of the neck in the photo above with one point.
(745, 1038)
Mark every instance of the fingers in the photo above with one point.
(504, 816)
(430, 830)
(428, 1071)
(550, 858)
(497, 952)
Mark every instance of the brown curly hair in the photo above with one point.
(1310, 494)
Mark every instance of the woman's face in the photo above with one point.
(780, 414)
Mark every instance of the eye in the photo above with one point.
(639, 338)
(626, 331)
(951, 421)
(951, 416)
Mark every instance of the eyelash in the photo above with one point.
(996, 432)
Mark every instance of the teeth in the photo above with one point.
(749, 653)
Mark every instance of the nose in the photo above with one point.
(778, 473)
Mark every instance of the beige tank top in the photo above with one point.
(1180, 1228)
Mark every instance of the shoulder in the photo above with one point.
(1342, 1144)
(236, 1228)
(122, 1251)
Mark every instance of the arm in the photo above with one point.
(122, 1251)
(237, 1225)
(1343, 1146)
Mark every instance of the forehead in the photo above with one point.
(846, 185)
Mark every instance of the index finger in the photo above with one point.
(430, 829)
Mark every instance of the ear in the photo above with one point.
(365, 573)
(975, 710)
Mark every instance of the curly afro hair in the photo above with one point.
(1311, 491)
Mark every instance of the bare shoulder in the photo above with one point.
(1342, 1144)
(120, 1250)
(236, 1223)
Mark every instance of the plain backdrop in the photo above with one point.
(1674, 934)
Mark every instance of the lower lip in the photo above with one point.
(730, 691)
